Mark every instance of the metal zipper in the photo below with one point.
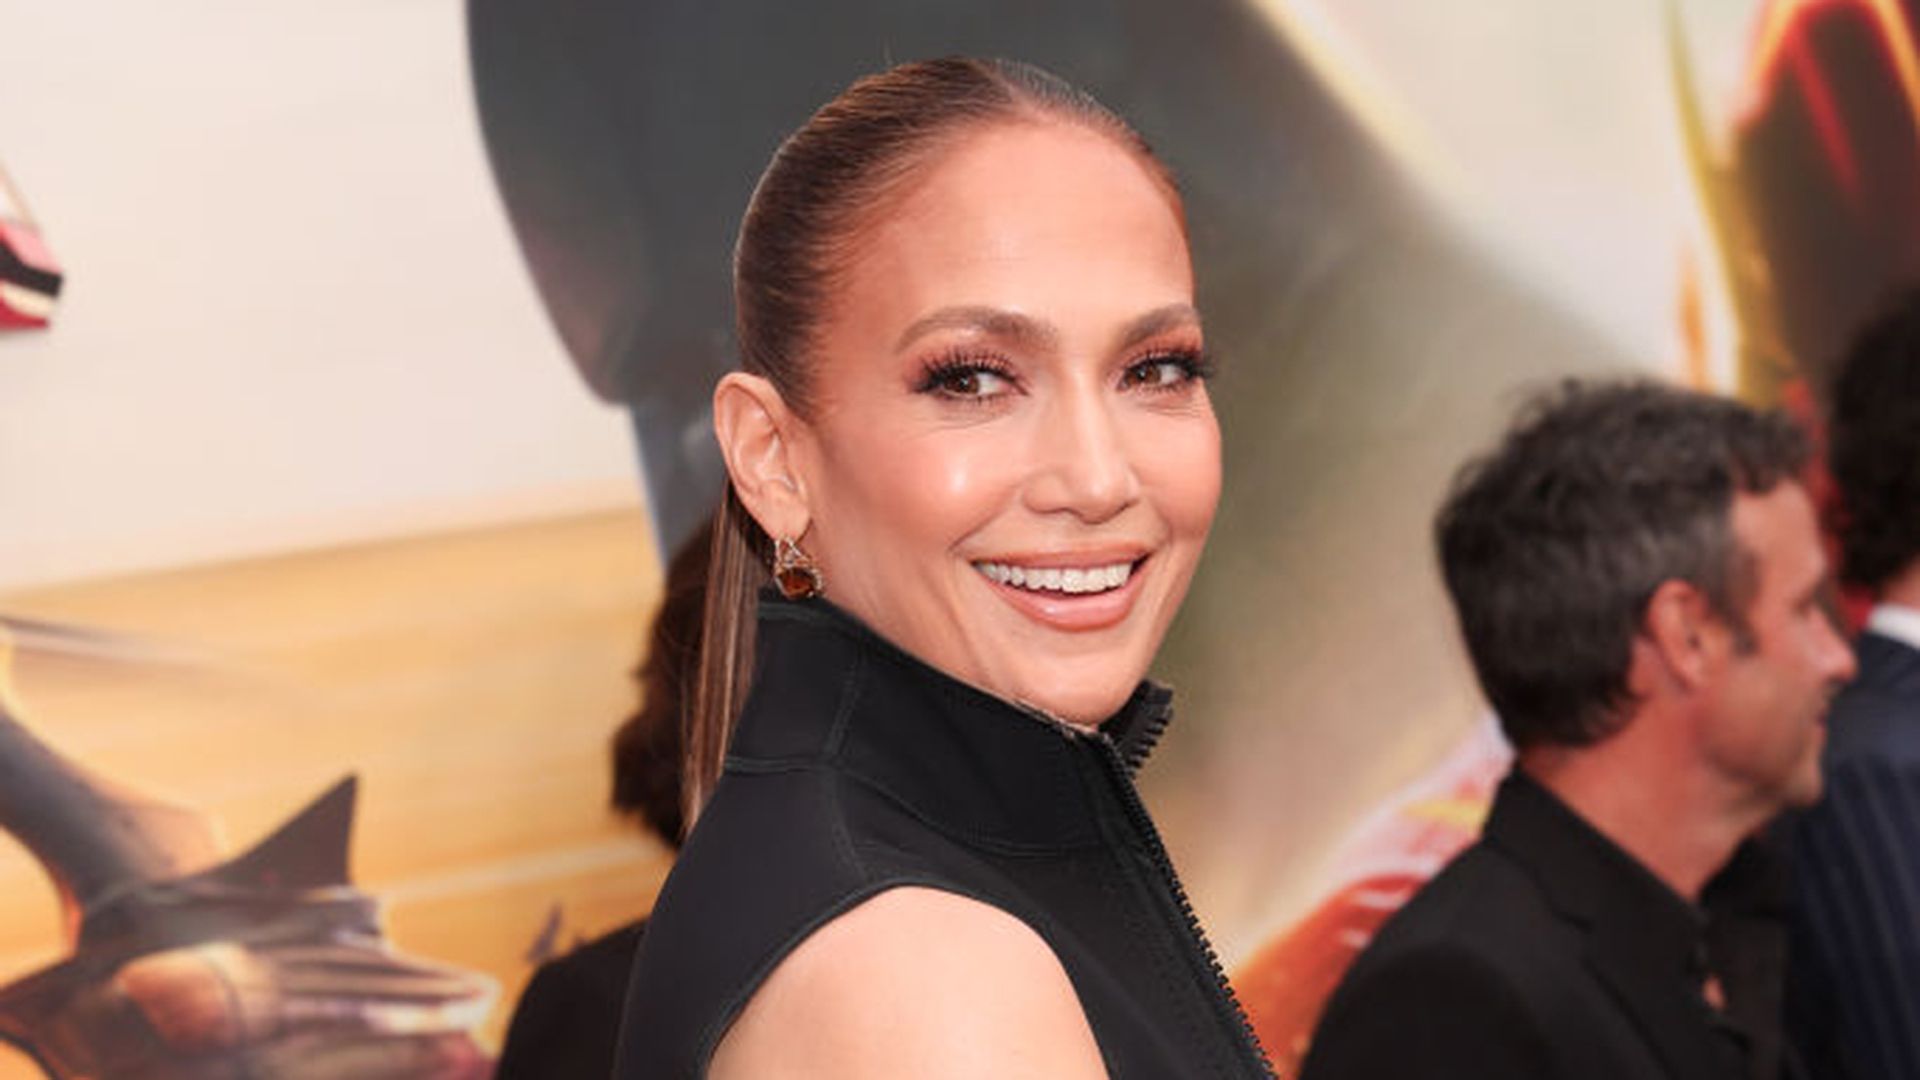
(1122, 777)
(1196, 934)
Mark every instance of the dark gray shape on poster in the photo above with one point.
(626, 139)
(1366, 347)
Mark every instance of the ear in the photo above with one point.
(758, 437)
(1680, 640)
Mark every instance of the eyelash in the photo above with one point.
(1194, 364)
(939, 376)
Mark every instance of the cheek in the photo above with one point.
(1792, 650)
(1180, 463)
(972, 471)
(938, 486)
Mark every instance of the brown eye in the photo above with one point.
(1166, 372)
(967, 381)
(961, 383)
(1154, 373)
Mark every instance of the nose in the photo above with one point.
(1082, 463)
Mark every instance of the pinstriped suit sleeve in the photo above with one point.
(1857, 876)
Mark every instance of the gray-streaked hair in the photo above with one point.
(1553, 544)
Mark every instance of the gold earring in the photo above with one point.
(795, 571)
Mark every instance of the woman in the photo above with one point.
(568, 1017)
(973, 414)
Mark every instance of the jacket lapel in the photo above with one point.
(1640, 941)
(1887, 665)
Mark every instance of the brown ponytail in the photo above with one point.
(740, 558)
(802, 225)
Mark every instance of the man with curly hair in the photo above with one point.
(1856, 964)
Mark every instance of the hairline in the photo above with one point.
(912, 170)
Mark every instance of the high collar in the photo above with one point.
(829, 691)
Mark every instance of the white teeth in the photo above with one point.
(1074, 580)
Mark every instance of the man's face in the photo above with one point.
(1768, 696)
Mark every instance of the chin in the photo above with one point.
(1807, 792)
(1084, 681)
(1803, 789)
(1081, 709)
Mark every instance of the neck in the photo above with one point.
(1904, 589)
(1677, 826)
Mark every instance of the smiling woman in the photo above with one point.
(973, 400)
(1054, 424)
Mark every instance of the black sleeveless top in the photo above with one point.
(856, 768)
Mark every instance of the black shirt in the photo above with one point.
(1544, 952)
(856, 768)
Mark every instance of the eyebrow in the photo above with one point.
(1157, 321)
(994, 322)
(1013, 326)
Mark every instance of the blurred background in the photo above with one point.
(371, 395)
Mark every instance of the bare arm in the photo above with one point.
(914, 982)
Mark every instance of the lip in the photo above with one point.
(1060, 560)
(1074, 613)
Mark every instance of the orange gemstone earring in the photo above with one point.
(795, 571)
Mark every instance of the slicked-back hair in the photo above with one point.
(1553, 543)
(829, 182)
(1874, 451)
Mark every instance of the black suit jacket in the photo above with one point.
(1855, 988)
(568, 1019)
(1542, 952)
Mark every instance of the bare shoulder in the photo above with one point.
(914, 982)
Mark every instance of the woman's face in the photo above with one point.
(1012, 461)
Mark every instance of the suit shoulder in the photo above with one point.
(600, 965)
(570, 1011)
(1482, 903)
(1874, 722)
(1428, 1006)
(1483, 920)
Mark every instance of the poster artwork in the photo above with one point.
(30, 278)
